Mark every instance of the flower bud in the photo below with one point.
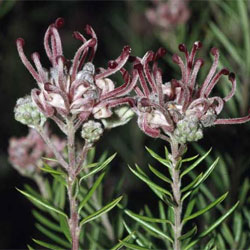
(121, 115)
(91, 131)
(188, 129)
(27, 112)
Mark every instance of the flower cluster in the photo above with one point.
(168, 14)
(181, 108)
(25, 153)
(75, 88)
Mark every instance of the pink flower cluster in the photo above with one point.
(25, 153)
(180, 108)
(74, 87)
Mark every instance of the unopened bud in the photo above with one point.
(27, 112)
(91, 131)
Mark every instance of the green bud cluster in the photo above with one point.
(188, 130)
(91, 131)
(27, 112)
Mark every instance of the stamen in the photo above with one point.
(59, 22)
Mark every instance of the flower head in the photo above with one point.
(181, 108)
(25, 153)
(75, 87)
(168, 14)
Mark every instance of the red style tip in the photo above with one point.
(231, 76)
(59, 22)
(225, 71)
(47, 86)
(20, 41)
(198, 44)
(214, 51)
(76, 35)
(126, 49)
(112, 64)
(160, 53)
(182, 47)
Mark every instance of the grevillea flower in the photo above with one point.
(168, 14)
(181, 108)
(25, 153)
(74, 88)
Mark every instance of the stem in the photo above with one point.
(52, 147)
(176, 189)
(74, 218)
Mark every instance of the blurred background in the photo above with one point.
(144, 25)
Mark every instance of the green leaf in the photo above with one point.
(166, 153)
(42, 203)
(189, 234)
(120, 244)
(189, 159)
(204, 210)
(65, 227)
(163, 216)
(46, 168)
(150, 183)
(190, 207)
(227, 234)
(212, 227)
(150, 219)
(226, 43)
(42, 219)
(102, 166)
(163, 161)
(133, 246)
(52, 236)
(101, 211)
(91, 191)
(149, 226)
(237, 226)
(30, 248)
(191, 184)
(45, 244)
(196, 163)
(159, 174)
(206, 174)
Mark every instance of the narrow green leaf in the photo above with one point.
(46, 168)
(192, 183)
(133, 246)
(226, 43)
(159, 174)
(166, 153)
(243, 191)
(120, 244)
(163, 161)
(52, 236)
(196, 163)
(206, 174)
(30, 248)
(189, 159)
(204, 210)
(163, 216)
(101, 211)
(149, 226)
(65, 227)
(137, 240)
(102, 166)
(189, 234)
(91, 191)
(190, 207)
(212, 227)
(227, 234)
(42, 203)
(93, 241)
(45, 244)
(237, 226)
(150, 183)
(220, 242)
(150, 219)
(43, 220)
(91, 165)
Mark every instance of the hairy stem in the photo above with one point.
(176, 189)
(74, 218)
